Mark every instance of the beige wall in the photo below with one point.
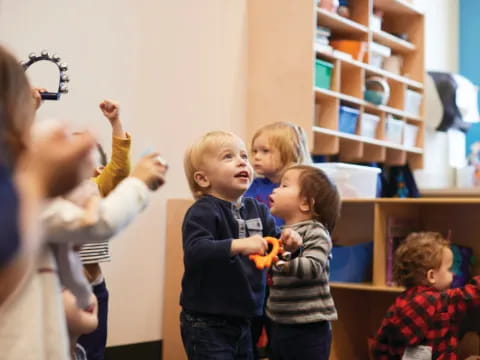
(178, 68)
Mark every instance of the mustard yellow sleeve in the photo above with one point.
(118, 167)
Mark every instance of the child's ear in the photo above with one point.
(431, 276)
(201, 179)
(305, 205)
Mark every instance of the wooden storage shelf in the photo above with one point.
(372, 69)
(393, 42)
(366, 140)
(396, 7)
(366, 287)
(324, 93)
(280, 86)
(340, 26)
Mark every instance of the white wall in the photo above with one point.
(441, 54)
(178, 69)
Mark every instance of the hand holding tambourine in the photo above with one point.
(62, 67)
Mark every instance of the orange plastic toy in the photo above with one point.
(265, 261)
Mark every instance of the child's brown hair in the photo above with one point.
(289, 139)
(417, 254)
(16, 108)
(322, 193)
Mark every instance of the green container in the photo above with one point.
(323, 74)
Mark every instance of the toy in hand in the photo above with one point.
(64, 79)
(273, 256)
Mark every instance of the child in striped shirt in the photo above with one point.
(300, 305)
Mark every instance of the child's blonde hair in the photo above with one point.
(289, 139)
(195, 156)
(417, 254)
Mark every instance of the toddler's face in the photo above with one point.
(227, 173)
(443, 276)
(285, 200)
(266, 158)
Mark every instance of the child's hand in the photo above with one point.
(111, 110)
(252, 245)
(55, 163)
(37, 97)
(151, 171)
(291, 240)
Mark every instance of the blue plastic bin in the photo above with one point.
(352, 263)
(348, 118)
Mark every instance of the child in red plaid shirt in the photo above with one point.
(423, 322)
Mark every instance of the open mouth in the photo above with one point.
(242, 174)
(270, 199)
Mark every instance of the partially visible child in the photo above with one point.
(30, 301)
(107, 177)
(274, 148)
(79, 322)
(423, 322)
(300, 305)
(221, 288)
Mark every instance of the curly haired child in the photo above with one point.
(424, 320)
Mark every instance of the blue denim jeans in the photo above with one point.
(301, 342)
(211, 337)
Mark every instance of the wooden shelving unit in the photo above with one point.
(361, 306)
(341, 26)
(281, 74)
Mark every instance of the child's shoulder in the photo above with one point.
(418, 297)
(260, 185)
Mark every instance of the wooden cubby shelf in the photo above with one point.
(341, 26)
(371, 69)
(366, 140)
(281, 86)
(366, 287)
(397, 7)
(393, 42)
(324, 93)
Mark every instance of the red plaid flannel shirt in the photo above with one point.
(425, 316)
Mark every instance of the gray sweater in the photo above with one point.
(301, 293)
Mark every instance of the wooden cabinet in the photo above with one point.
(281, 37)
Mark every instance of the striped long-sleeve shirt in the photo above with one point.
(116, 170)
(301, 293)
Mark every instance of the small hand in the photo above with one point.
(151, 171)
(110, 109)
(291, 240)
(37, 96)
(252, 245)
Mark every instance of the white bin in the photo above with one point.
(394, 130)
(413, 100)
(368, 125)
(410, 135)
(353, 181)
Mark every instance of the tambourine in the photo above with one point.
(62, 67)
(265, 261)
